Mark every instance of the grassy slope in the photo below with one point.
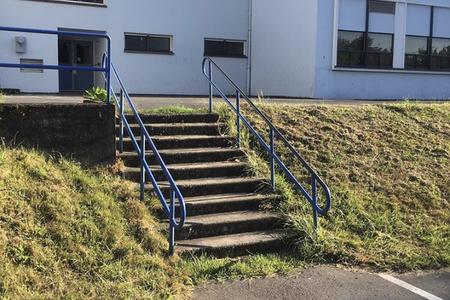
(69, 233)
(388, 167)
(390, 191)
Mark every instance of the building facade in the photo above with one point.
(335, 49)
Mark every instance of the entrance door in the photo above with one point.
(76, 53)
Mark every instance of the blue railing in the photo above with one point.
(145, 171)
(274, 134)
(105, 69)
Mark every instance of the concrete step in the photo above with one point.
(175, 118)
(182, 141)
(189, 155)
(190, 171)
(233, 244)
(209, 186)
(226, 203)
(176, 129)
(227, 223)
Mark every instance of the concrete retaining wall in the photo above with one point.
(84, 132)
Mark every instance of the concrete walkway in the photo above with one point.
(326, 282)
(147, 102)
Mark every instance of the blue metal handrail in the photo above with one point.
(105, 69)
(146, 140)
(207, 68)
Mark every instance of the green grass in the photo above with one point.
(70, 233)
(388, 167)
(205, 268)
(171, 110)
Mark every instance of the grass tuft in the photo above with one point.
(173, 110)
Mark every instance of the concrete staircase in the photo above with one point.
(222, 201)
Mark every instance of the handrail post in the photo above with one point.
(121, 116)
(314, 199)
(238, 118)
(142, 171)
(108, 73)
(272, 158)
(171, 227)
(210, 87)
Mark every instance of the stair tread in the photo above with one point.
(229, 197)
(206, 181)
(164, 125)
(229, 217)
(172, 115)
(193, 166)
(185, 150)
(181, 137)
(230, 240)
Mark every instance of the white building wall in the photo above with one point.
(336, 83)
(283, 39)
(188, 21)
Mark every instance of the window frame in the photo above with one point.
(148, 50)
(364, 52)
(429, 56)
(440, 57)
(244, 48)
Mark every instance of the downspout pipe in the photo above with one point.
(249, 47)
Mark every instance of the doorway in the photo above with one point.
(75, 53)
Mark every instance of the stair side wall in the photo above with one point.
(83, 132)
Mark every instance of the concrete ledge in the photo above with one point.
(84, 132)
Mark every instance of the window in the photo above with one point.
(350, 48)
(353, 53)
(416, 52)
(426, 50)
(224, 48)
(379, 50)
(148, 43)
(440, 54)
(30, 61)
(370, 43)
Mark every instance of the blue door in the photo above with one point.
(75, 53)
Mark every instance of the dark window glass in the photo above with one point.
(383, 7)
(416, 52)
(350, 40)
(64, 52)
(214, 48)
(234, 48)
(440, 47)
(350, 48)
(159, 44)
(148, 43)
(379, 43)
(416, 45)
(135, 42)
(440, 54)
(379, 50)
(224, 48)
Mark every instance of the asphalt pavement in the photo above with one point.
(328, 282)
